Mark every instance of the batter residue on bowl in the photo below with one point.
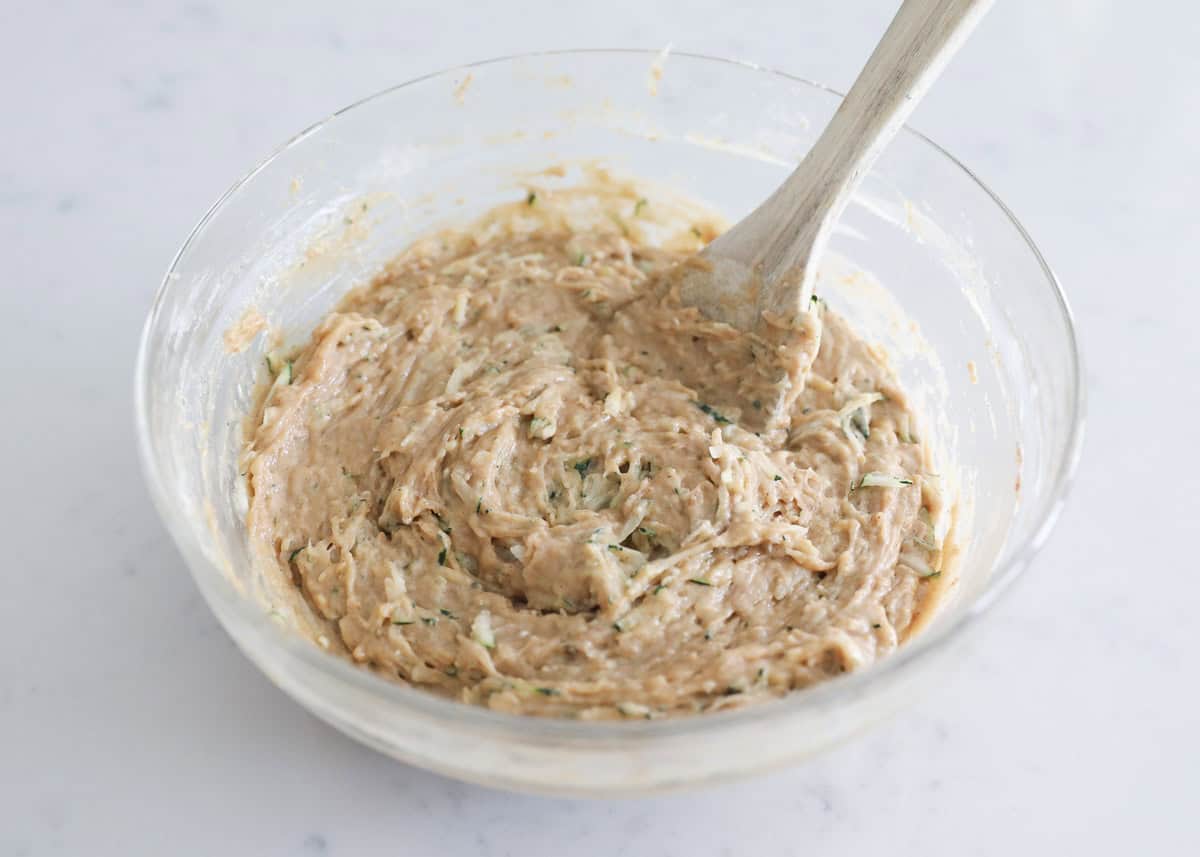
(498, 473)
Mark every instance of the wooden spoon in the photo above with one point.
(758, 276)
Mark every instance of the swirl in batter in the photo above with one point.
(501, 472)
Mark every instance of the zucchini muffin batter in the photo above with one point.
(501, 472)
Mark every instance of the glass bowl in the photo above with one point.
(972, 314)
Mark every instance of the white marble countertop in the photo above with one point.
(129, 724)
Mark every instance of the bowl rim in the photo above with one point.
(623, 731)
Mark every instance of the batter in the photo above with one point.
(501, 472)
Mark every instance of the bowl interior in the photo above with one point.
(926, 262)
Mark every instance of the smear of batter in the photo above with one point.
(498, 473)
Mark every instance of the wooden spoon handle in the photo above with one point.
(787, 233)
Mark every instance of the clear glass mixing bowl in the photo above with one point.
(978, 326)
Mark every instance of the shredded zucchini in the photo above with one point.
(713, 412)
(875, 479)
(481, 630)
(855, 417)
(918, 565)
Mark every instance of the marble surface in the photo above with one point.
(129, 724)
